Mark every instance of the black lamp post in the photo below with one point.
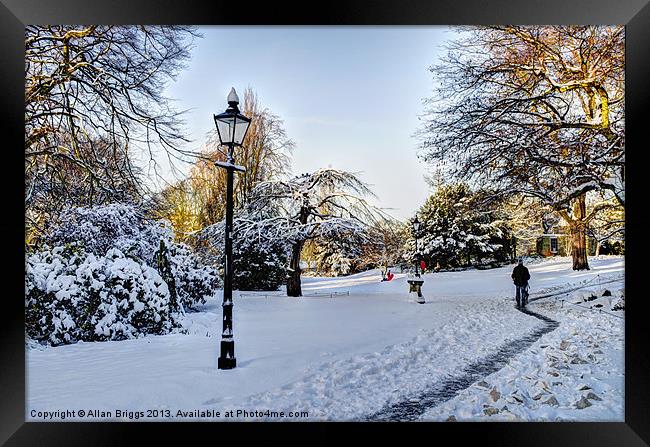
(231, 127)
(416, 231)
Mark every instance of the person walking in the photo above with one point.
(520, 276)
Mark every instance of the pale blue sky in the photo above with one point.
(349, 96)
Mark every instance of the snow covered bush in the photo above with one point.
(258, 263)
(338, 256)
(71, 295)
(194, 281)
(124, 227)
(52, 297)
(133, 301)
(99, 228)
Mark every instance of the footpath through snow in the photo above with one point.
(352, 356)
(574, 373)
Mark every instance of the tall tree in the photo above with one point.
(93, 103)
(384, 245)
(265, 152)
(534, 110)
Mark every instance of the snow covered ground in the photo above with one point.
(344, 357)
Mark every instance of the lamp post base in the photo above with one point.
(227, 358)
(226, 363)
(415, 285)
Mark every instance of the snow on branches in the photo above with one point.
(259, 252)
(125, 227)
(533, 110)
(117, 225)
(536, 111)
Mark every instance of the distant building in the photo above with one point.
(559, 244)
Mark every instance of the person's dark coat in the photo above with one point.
(520, 275)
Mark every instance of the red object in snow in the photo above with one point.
(423, 265)
(389, 276)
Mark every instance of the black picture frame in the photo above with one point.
(14, 14)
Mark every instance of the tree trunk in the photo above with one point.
(293, 282)
(578, 235)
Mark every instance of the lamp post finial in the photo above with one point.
(232, 96)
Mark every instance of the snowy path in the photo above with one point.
(413, 408)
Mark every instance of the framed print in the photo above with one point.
(382, 212)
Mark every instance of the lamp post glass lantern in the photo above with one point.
(231, 127)
(231, 124)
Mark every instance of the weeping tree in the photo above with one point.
(325, 204)
(536, 111)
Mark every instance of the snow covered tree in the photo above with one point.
(460, 228)
(533, 110)
(340, 255)
(327, 203)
